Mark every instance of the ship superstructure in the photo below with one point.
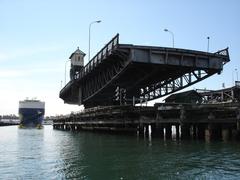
(31, 113)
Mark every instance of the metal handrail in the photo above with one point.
(102, 54)
(224, 52)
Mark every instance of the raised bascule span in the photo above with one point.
(143, 72)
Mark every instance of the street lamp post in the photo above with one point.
(208, 43)
(236, 73)
(89, 37)
(166, 30)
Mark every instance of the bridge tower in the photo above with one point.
(77, 62)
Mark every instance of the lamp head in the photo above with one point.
(98, 21)
(166, 30)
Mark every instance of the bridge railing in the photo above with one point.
(224, 52)
(99, 57)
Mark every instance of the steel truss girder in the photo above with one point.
(171, 85)
(95, 83)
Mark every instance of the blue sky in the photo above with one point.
(38, 36)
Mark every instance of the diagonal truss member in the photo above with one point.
(169, 86)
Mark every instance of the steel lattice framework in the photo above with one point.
(145, 72)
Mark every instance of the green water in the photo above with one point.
(53, 154)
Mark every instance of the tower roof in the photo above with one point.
(78, 51)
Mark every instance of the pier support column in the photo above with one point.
(194, 131)
(185, 131)
(141, 130)
(177, 131)
(79, 127)
(201, 131)
(68, 127)
(238, 123)
(208, 132)
(234, 134)
(74, 127)
(157, 131)
(236, 131)
(238, 126)
(225, 134)
(147, 131)
(168, 134)
(212, 132)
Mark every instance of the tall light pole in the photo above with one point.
(166, 30)
(66, 70)
(89, 37)
(236, 73)
(208, 43)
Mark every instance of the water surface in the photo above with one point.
(53, 154)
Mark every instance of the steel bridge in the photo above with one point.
(144, 72)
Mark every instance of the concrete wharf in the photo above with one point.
(164, 120)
